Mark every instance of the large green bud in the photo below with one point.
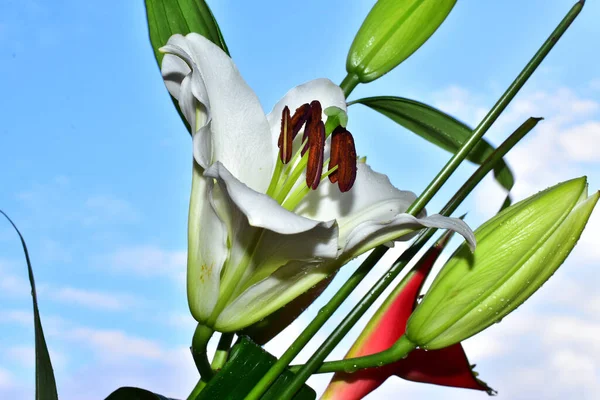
(517, 251)
(393, 30)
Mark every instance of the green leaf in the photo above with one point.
(393, 30)
(45, 384)
(168, 17)
(438, 128)
(248, 363)
(132, 393)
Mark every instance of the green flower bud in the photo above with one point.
(517, 251)
(393, 30)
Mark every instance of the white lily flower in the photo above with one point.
(258, 236)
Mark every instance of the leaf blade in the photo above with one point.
(168, 17)
(438, 128)
(45, 383)
(133, 393)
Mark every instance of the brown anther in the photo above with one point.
(343, 155)
(299, 118)
(313, 120)
(316, 152)
(285, 137)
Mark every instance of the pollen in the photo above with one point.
(285, 137)
(343, 156)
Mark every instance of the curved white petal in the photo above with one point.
(207, 249)
(240, 134)
(372, 213)
(271, 294)
(328, 93)
(261, 210)
(273, 236)
(372, 197)
(372, 233)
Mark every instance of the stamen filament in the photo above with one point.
(295, 198)
(275, 178)
(292, 179)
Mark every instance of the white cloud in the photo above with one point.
(25, 355)
(13, 285)
(54, 251)
(59, 201)
(102, 208)
(149, 261)
(116, 345)
(91, 299)
(6, 379)
(582, 141)
(563, 146)
(18, 316)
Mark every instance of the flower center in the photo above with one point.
(286, 186)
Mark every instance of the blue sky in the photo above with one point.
(95, 169)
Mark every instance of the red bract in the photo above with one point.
(448, 367)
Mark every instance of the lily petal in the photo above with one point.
(261, 210)
(270, 294)
(240, 133)
(372, 213)
(325, 91)
(207, 249)
(402, 227)
(282, 238)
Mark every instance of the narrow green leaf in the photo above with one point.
(45, 384)
(248, 363)
(133, 393)
(168, 17)
(438, 128)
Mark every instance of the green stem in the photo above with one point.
(397, 351)
(199, 342)
(197, 389)
(435, 185)
(222, 352)
(414, 209)
(315, 324)
(349, 83)
(495, 112)
(312, 366)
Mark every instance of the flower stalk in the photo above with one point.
(313, 364)
(378, 288)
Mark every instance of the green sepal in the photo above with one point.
(247, 364)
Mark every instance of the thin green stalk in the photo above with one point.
(199, 342)
(414, 209)
(197, 389)
(222, 352)
(358, 311)
(319, 320)
(495, 112)
(349, 83)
